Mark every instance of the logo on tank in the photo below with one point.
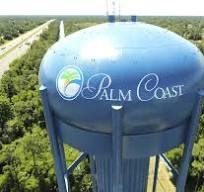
(69, 82)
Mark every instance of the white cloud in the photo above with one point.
(98, 7)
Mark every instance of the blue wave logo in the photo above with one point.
(69, 82)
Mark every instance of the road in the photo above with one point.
(164, 183)
(19, 46)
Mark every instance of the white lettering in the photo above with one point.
(146, 87)
(180, 90)
(167, 93)
(126, 97)
(98, 86)
(91, 91)
(159, 93)
(112, 95)
(104, 95)
(174, 92)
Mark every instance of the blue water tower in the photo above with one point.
(121, 93)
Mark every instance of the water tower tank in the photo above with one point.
(149, 74)
(151, 71)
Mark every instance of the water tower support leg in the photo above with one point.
(53, 140)
(156, 171)
(190, 137)
(93, 173)
(63, 161)
(117, 131)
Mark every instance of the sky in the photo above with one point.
(99, 7)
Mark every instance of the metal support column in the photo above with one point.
(93, 173)
(133, 18)
(59, 168)
(63, 161)
(117, 148)
(156, 171)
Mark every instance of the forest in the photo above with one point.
(26, 163)
(12, 27)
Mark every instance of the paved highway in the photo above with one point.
(19, 46)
